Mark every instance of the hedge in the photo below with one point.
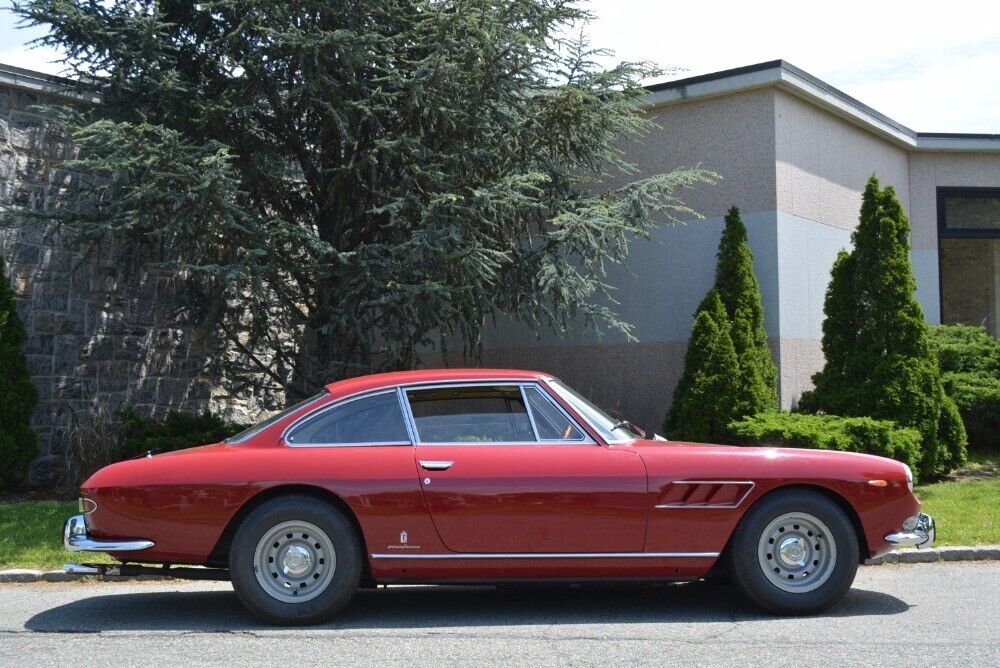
(970, 365)
(831, 432)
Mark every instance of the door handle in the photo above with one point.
(435, 465)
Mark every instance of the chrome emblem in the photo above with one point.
(403, 537)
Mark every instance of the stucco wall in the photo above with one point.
(928, 171)
(824, 161)
(666, 277)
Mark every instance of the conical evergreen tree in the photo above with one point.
(878, 358)
(18, 442)
(705, 398)
(737, 286)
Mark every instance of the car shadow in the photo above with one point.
(442, 607)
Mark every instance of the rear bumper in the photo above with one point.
(918, 531)
(76, 538)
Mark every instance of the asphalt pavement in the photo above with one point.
(896, 615)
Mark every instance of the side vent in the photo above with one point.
(705, 494)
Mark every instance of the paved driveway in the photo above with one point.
(917, 615)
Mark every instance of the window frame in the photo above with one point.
(950, 192)
(968, 233)
(343, 402)
(520, 385)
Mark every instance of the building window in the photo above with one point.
(969, 241)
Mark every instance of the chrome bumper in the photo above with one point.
(918, 531)
(76, 539)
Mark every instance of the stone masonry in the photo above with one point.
(96, 337)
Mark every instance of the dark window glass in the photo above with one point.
(972, 212)
(551, 423)
(970, 283)
(470, 415)
(374, 419)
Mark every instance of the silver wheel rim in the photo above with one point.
(797, 553)
(295, 561)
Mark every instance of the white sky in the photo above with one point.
(932, 66)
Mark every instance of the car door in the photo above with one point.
(505, 470)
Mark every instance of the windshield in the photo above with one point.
(257, 428)
(598, 419)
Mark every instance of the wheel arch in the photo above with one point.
(831, 494)
(220, 553)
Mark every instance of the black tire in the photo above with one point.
(750, 549)
(334, 587)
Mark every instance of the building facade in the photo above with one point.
(794, 154)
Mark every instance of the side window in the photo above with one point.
(372, 419)
(551, 423)
(481, 414)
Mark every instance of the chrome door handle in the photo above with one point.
(435, 465)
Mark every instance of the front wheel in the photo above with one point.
(795, 552)
(295, 560)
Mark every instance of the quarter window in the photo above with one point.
(478, 414)
(372, 419)
(551, 423)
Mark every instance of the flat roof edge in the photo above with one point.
(780, 73)
(49, 84)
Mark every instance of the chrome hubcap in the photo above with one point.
(295, 561)
(796, 552)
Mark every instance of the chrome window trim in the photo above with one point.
(520, 384)
(743, 498)
(554, 555)
(336, 404)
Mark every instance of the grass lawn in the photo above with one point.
(31, 535)
(966, 510)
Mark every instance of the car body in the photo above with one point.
(484, 475)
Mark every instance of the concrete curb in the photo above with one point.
(28, 575)
(981, 553)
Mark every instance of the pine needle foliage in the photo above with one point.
(879, 362)
(18, 441)
(343, 185)
(706, 397)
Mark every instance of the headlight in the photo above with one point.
(909, 477)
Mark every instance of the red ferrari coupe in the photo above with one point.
(488, 476)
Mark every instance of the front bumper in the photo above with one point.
(77, 539)
(917, 531)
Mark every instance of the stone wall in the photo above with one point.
(97, 337)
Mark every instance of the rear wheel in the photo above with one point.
(795, 552)
(295, 560)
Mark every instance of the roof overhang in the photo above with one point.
(787, 77)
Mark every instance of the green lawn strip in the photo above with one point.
(967, 512)
(31, 536)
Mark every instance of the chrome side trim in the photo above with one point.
(685, 506)
(77, 539)
(556, 555)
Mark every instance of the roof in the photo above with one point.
(49, 84)
(788, 77)
(777, 73)
(379, 381)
